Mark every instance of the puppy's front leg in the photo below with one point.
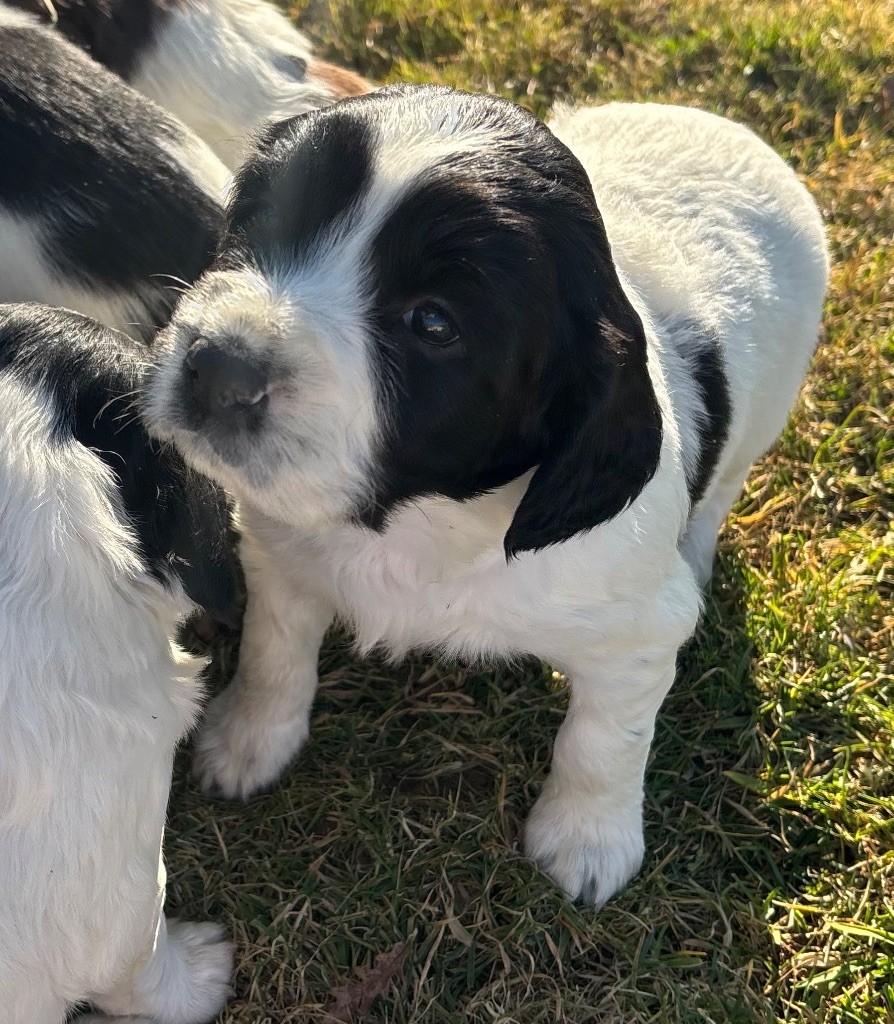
(585, 831)
(254, 728)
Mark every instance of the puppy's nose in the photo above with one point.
(224, 380)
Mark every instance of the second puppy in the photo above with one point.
(105, 540)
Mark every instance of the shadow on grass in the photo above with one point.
(400, 823)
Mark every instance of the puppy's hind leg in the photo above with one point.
(185, 981)
(700, 540)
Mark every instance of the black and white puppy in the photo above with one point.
(221, 66)
(107, 204)
(106, 539)
(467, 410)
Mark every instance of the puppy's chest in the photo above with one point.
(404, 591)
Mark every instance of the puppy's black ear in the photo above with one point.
(203, 550)
(604, 423)
(184, 527)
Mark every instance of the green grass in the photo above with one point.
(768, 889)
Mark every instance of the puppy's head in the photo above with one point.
(416, 296)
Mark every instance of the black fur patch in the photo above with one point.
(94, 375)
(471, 417)
(81, 157)
(114, 32)
(550, 367)
(306, 173)
(707, 369)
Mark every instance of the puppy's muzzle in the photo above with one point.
(224, 383)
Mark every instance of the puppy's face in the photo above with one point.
(415, 297)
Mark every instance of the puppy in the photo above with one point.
(105, 540)
(466, 409)
(107, 204)
(221, 66)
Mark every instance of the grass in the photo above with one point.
(768, 890)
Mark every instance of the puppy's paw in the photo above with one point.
(591, 857)
(194, 983)
(240, 752)
(185, 981)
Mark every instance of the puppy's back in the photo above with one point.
(93, 695)
(107, 204)
(82, 607)
(725, 247)
(692, 202)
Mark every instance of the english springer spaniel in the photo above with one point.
(465, 408)
(107, 204)
(221, 66)
(106, 539)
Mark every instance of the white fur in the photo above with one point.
(28, 275)
(708, 227)
(200, 162)
(12, 17)
(312, 468)
(221, 67)
(707, 223)
(93, 698)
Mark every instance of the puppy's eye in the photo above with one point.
(431, 323)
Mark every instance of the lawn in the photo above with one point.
(768, 889)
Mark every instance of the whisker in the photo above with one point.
(116, 398)
(174, 278)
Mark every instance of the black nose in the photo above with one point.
(223, 380)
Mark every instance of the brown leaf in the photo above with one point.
(347, 1003)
